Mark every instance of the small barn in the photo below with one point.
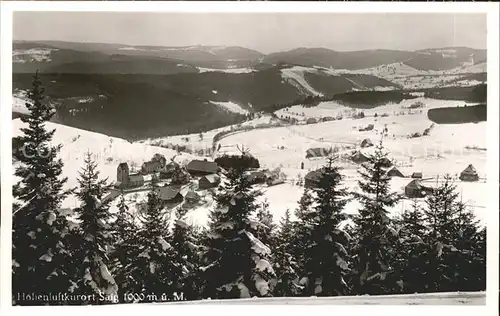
(202, 167)
(170, 194)
(417, 175)
(394, 172)
(151, 166)
(366, 143)
(208, 181)
(255, 177)
(311, 120)
(360, 157)
(311, 180)
(274, 181)
(415, 189)
(469, 174)
(318, 152)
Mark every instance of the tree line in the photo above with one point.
(95, 256)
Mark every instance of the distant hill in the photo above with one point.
(429, 59)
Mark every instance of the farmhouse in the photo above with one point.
(311, 120)
(360, 157)
(257, 177)
(318, 152)
(394, 172)
(151, 166)
(469, 174)
(311, 180)
(202, 167)
(124, 179)
(415, 189)
(170, 194)
(417, 175)
(274, 181)
(209, 181)
(366, 143)
(168, 170)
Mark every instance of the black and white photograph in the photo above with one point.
(255, 158)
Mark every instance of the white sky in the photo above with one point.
(265, 32)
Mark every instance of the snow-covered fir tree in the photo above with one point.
(264, 227)
(94, 238)
(455, 243)
(326, 258)
(374, 231)
(407, 259)
(184, 241)
(124, 246)
(284, 262)
(301, 227)
(237, 262)
(153, 272)
(40, 253)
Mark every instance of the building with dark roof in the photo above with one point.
(469, 174)
(202, 167)
(208, 181)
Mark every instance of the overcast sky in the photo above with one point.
(265, 32)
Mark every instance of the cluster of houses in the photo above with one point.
(416, 188)
(184, 183)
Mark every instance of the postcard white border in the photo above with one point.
(491, 9)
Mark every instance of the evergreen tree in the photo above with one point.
(410, 247)
(374, 232)
(154, 271)
(302, 227)
(264, 227)
(40, 253)
(93, 278)
(124, 246)
(184, 241)
(455, 243)
(326, 258)
(238, 262)
(284, 262)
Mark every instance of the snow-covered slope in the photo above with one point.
(295, 75)
(231, 107)
(107, 151)
(32, 55)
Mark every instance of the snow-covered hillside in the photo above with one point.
(108, 152)
(295, 76)
(32, 55)
(447, 150)
(231, 107)
(411, 78)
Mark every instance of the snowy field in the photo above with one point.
(295, 75)
(459, 298)
(442, 152)
(231, 107)
(107, 151)
(411, 78)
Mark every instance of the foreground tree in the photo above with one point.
(374, 232)
(284, 261)
(185, 243)
(326, 259)
(91, 259)
(455, 243)
(40, 253)
(238, 262)
(154, 271)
